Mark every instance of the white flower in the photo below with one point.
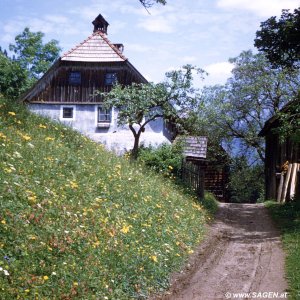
(6, 273)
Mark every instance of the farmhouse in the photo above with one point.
(68, 92)
(282, 163)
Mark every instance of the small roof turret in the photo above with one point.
(100, 24)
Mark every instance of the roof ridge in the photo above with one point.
(77, 46)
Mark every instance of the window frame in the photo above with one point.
(107, 112)
(75, 81)
(63, 107)
(110, 78)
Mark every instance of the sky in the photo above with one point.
(204, 33)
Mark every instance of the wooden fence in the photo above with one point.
(193, 176)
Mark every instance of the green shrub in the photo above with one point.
(165, 159)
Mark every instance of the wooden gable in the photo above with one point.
(80, 73)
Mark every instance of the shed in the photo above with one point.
(213, 171)
(282, 160)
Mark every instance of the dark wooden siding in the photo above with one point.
(58, 90)
(216, 177)
(277, 153)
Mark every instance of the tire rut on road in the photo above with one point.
(241, 254)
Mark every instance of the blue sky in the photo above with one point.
(205, 33)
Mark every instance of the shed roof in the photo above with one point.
(96, 48)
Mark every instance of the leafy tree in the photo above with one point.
(208, 119)
(13, 78)
(238, 110)
(289, 120)
(140, 104)
(280, 39)
(4, 52)
(246, 181)
(32, 54)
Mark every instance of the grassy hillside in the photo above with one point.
(287, 217)
(77, 222)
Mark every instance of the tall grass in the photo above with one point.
(287, 217)
(77, 222)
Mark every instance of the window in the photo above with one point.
(74, 78)
(67, 113)
(104, 115)
(110, 78)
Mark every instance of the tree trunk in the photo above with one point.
(135, 149)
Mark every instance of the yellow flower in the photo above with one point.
(154, 258)
(73, 185)
(31, 199)
(26, 137)
(42, 126)
(49, 138)
(3, 222)
(96, 244)
(27, 291)
(3, 136)
(12, 113)
(7, 170)
(170, 167)
(45, 277)
(197, 206)
(75, 283)
(125, 228)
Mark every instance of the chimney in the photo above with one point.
(100, 24)
(120, 47)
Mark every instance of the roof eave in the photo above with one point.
(25, 96)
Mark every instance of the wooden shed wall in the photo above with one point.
(216, 177)
(277, 153)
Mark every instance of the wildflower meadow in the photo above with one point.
(78, 222)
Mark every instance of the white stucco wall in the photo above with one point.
(118, 139)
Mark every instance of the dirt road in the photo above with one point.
(242, 254)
